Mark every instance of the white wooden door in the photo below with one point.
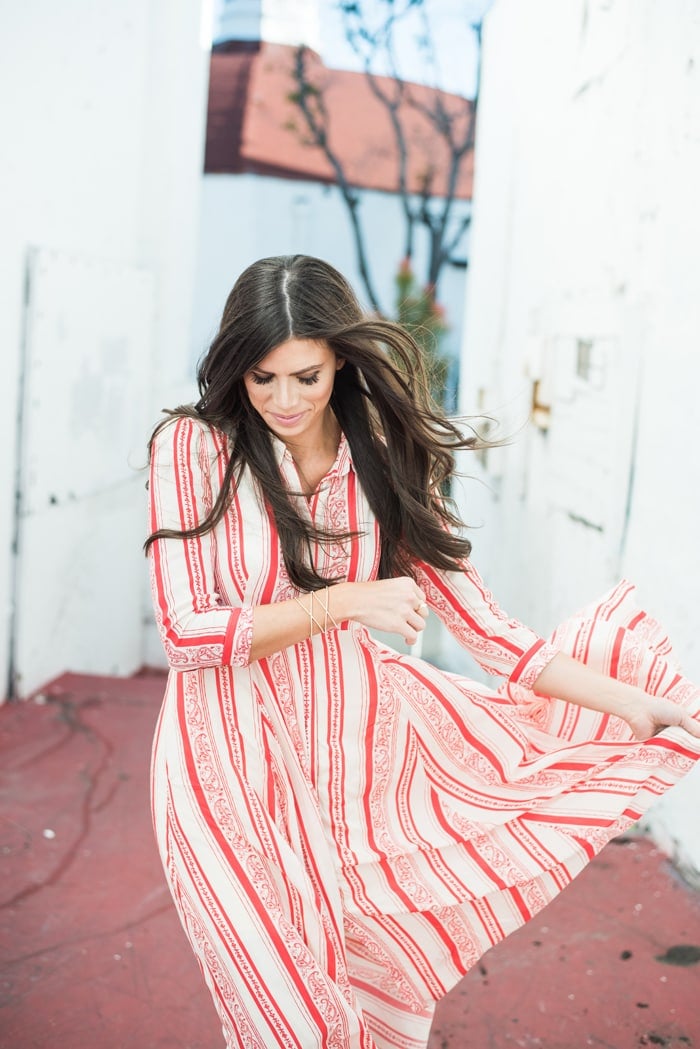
(80, 519)
(580, 466)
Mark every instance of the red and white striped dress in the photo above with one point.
(345, 830)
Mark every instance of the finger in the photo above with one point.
(677, 718)
(416, 620)
(690, 725)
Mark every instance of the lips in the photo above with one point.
(287, 420)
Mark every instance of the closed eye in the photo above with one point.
(306, 380)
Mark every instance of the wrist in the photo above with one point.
(341, 601)
(622, 700)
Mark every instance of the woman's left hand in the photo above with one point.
(650, 714)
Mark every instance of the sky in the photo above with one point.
(450, 22)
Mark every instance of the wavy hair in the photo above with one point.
(402, 446)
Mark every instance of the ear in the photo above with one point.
(339, 362)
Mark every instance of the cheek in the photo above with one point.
(322, 392)
(255, 400)
(254, 392)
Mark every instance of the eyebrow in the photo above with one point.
(302, 371)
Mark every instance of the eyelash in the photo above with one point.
(306, 380)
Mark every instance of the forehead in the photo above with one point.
(296, 355)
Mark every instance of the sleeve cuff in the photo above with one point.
(239, 638)
(532, 663)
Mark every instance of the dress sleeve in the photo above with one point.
(499, 645)
(196, 627)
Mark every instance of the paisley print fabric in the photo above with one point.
(345, 830)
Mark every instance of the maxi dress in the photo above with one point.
(345, 829)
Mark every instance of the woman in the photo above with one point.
(345, 830)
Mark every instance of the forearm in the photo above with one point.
(645, 714)
(285, 623)
(391, 605)
(568, 679)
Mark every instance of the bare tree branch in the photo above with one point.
(449, 247)
(312, 105)
(367, 45)
(452, 123)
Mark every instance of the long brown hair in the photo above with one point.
(402, 446)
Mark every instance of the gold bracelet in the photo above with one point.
(312, 617)
(327, 613)
(310, 613)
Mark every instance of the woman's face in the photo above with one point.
(291, 387)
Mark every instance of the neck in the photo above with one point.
(319, 445)
(314, 457)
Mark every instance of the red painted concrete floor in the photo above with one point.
(93, 954)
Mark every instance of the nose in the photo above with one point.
(286, 393)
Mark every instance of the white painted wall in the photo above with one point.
(102, 115)
(585, 241)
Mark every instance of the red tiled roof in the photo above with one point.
(253, 126)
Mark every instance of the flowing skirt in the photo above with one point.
(478, 808)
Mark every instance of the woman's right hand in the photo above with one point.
(396, 606)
